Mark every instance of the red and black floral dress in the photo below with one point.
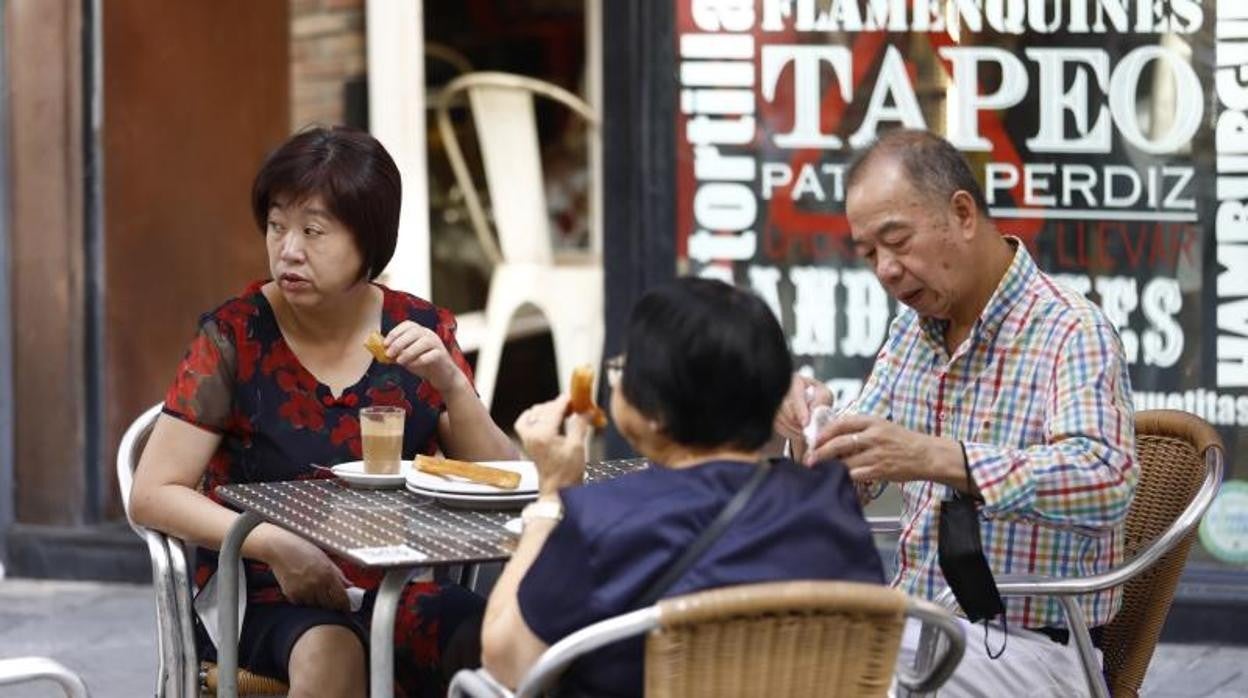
(241, 380)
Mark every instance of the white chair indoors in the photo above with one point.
(566, 289)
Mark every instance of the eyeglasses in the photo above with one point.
(614, 369)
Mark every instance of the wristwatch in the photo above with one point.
(542, 509)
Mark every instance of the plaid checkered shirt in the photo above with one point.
(1039, 396)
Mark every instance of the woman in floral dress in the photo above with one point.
(270, 388)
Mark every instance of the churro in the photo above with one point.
(581, 397)
(475, 472)
(376, 345)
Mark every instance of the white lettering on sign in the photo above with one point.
(1119, 298)
(814, 310)
(807, 64)
(866, 313)
(1231, 221)
(765, 201)
(1079, 185)
(1062, 102)
(817, 311)
(717, 96)
(1001, 16)
(1163, 340)
(892, 85)
(1216, 408)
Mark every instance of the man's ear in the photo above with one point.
(964, 213)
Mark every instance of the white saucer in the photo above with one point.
(476, 501)
(450, 484)
(353, 473)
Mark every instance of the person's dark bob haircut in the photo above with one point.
(708, 361)
(354, 177)
(931, 165)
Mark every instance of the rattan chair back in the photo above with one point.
(1170, 447)
(782, 639)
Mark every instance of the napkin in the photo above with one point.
(819, 418)
(355, 596)
(206, 605)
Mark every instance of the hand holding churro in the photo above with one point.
(475, 472)
(376, 345)
(581, 397)
(555, 443)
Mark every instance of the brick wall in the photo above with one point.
(326, 51)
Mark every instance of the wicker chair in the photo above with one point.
(1180, 458)
(802, 638)
(179, 672)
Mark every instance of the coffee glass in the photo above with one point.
(381, 431)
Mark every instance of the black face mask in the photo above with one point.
(962, 561)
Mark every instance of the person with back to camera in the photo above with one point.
(271, 387)
(997, 390)
(695, 391)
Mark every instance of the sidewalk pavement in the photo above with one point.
(107, 634)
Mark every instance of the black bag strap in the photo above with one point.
(708, 537)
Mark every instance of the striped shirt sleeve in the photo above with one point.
(1082, 476)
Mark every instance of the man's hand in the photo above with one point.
(306, 575)
(804, 394)
(876, 450)
(560, 458)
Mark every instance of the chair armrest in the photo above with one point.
(932, 676)
(884, 524)
(169, 655)
(476, 683)
(23, 669)
(559, 655)
(1185, 523)
(1066, 589)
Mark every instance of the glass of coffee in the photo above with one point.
(381, 430)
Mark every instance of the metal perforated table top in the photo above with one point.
(393, 527)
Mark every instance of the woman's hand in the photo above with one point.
(421, 351)
(306, 574)
(560, 458)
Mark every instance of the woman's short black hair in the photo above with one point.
(355, 178)
(708, 361)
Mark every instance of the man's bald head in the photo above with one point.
(930, 164)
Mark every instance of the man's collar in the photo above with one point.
(1017, 276)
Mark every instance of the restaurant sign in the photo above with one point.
(1224, 530)
(1111, 136)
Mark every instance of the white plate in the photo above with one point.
(353, 473)
(476, 501)
(453, 485)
